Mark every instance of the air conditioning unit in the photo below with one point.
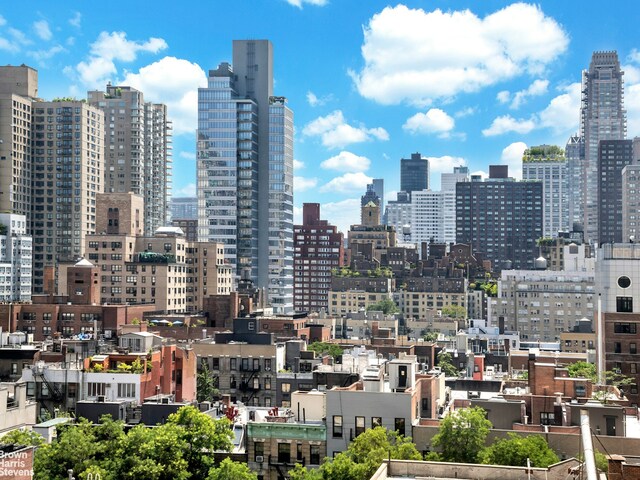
(267, 369)
(259, 458)
(100, 398)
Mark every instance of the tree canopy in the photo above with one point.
(583, 370)
(386, 306)
(362, 458)
(230, 470)
(322, 348)
(454, 311)
(445, 362)
(178, 450)
(206, 385)
(27, 438)
(462, 435)
(516, 449)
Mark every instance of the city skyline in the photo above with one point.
(511, 90)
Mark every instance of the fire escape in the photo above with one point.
(54, 395)
(247, 383)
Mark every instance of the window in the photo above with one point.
(14, 369)
(267, 364)
(314, 457)
(284, 453)
(624, 304)
(360, 426)
(337, 426)
(95, 389)
(267, 383)
(376, 422)
(216, 364)
(126, 390)
(299, 452)
(258, 448)
(547, 418)
(617, 347)
(233, 363)
(399, 425)
(633, 348)
(286, 387)
(633, 368)
(630, 328)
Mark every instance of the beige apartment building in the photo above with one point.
(18, 90)
(67, 173)
(164, 269)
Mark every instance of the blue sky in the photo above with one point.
(370, 82)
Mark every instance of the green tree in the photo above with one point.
(362, 458)
(374, 445)
(430, 336)
(178, 450)
(230, 470)
(454, 311)
(22, 437)
(386, 306)
(462, 435)
(326, 348)
(75, 449)
(206, 385)
(201, 434)
(445, 362)
(583, 370)
(516, 449)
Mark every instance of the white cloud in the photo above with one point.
(115, 46)
(336, 133)
(42, 55)
(466, 112)
(41, 27)
(299, 3)
(174, 82)
(512, 156)
(416, 56)
(188, 190)
(300, 184)
(297, 164)
(19, 37)
(76, 20)
(562, 113)
(96, 72)
(297, 215)
(109, 48)
(3, 21)
(482, 174)
(348, 183)
(538, 87)
(506, 124)
(503, 96)
(314, 101)
(188, 155)
(434, 121)
(8, 46)
(347, 162)
(342, 214)
(632, 104)
(445, 164)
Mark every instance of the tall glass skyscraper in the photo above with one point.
(602, 117)
(245, 170)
